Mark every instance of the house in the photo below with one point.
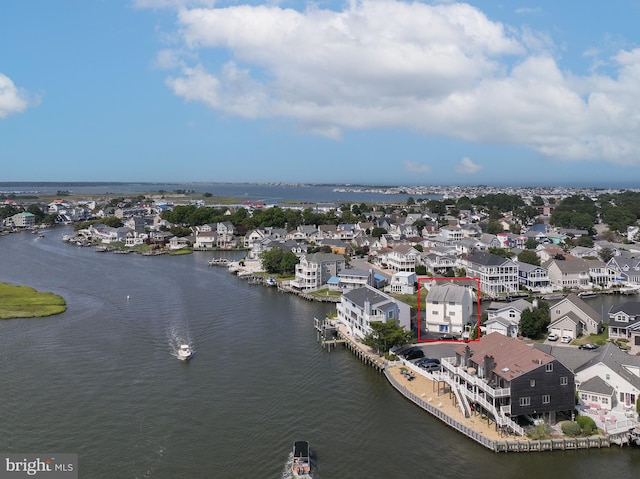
(579, 273)
(206, 239)
(627, 269)
(497, 275)
(448, 308)
(349, 279)
(507, 379)
(403, 282)
(624, 323)
(573, 317)
(23, 220)
(314, 270)
(505, 318)
(609, 380)
(532, 277)
(437, 263)
(402, 258)
(360, 307)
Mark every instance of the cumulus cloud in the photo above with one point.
(12, 98)
(443, 70)
(415, 167)
(467, 167)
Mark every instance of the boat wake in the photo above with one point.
(288, 468)
(176, 339)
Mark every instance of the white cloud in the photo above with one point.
(12, 98)
(467, 167)
(443, 69)
(415, 167)
(528, 10)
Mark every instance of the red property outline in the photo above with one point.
(429, 279)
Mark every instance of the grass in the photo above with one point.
(177, 252)
(26, 302)
(326, 292)
(599, 339)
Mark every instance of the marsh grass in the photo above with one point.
(26, 302)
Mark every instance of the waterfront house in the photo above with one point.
(448, 308)
(314, 270)
(350, 278)
(360, 307)
(627, 268)
(498, 275)
(23, 220)
(508, 379)
(402, 258)
(609, 379)
(532, 277)
(573, 317)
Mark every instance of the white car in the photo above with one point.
(553, 337)
(566, 339)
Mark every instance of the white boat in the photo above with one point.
(184, 352)
(587, 294)
(301, 466)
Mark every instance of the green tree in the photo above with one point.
(272, 260)
(289, 262)
(605, 254)
(504, 253)
(529, 257)
(533, 322)
(494, 227)
(531, 243)
(378, 232)
(386, 335)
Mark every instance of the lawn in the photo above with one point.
(26, 302)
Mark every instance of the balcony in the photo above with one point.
(480, 383)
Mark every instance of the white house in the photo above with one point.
(314, 270)
(573, 317)
(505, 318)
(403, 282)
(497, 275)
(448, 308)
(360, 307)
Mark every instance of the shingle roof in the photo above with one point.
(512, 358)
(596, 385)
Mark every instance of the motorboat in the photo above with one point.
(301, 465)
(184, 352)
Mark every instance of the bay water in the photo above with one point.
(102, 380)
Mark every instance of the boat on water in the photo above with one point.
(553, 296)
(587, 294)
(301, 465)
(185, 353)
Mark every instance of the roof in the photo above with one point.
(488, 259)
(446, 292)
(615, 359)
(512, 358)
(597, 385)
(366, 294)
(631, 308)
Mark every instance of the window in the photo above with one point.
(532, 383)
(546, 399)
(525, 401)
(564, 380)
(548, 367)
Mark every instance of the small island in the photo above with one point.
(25, 302)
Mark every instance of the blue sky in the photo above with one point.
(370, 92)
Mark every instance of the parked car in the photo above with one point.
(589, 346)
(552, 337)
(566, 339)
(422, 361)
(448, 337)
(430, 367)
(413, 353)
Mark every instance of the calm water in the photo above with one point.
(101, 380)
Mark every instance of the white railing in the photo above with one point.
(475, 380)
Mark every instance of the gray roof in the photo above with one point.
(446, 292)
(584, 307)
(631, 308)
(597, 385)
(572, 357)
(360, 296)
(488, 259)
(354, 272)
(615, 359)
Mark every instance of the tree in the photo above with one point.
(289, 262)
(529, 257)
(494, 227)
(386, 335)
(531, 243)
(503, 253)
(378, 232)
(605, 254)
(533, 322)
(461, 273)
(272, 260)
